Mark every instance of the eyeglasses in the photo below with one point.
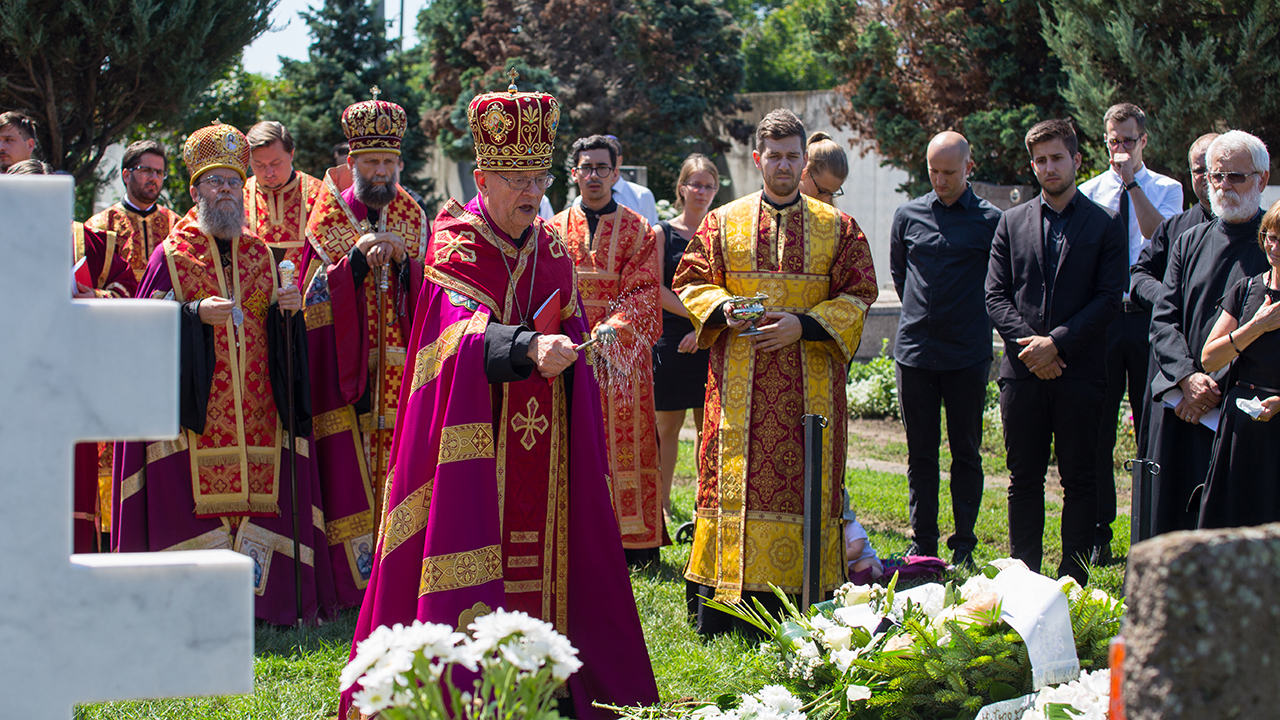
(148, 172)
(1271, 238)
(587, 171)
(699, 187)
(523, 182)
(1199, 170)
(833, 193)
(1126, 143)
(1218, 178)
(217, 182)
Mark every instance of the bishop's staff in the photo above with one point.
(286, 280)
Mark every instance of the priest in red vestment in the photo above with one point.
(498, 491)
(812, 263)
(225, 481)
(139, 221)
(618, 278)
(278, 199)
(361, 269)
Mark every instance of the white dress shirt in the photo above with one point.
(1164, 192)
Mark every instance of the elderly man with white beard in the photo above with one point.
(225, 482)
(1203, 263)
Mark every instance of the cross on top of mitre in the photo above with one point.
(513, 75)
(375, 92)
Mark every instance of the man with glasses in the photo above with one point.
(278, 199)
(938, 249)
(1143, 200)
(499, 486)
(813, 264)
(138, 220)
(1203, 262)
(618, 279)
(17, 139)
(628, 194)
(361, 270)
(224, 482)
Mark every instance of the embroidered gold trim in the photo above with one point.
(466, 442)
(132, 484)
(406, 519)
(332, 422)
(318, 315)
(317, 517)
(530, 536)
(522, 561)
(522, 586)
(468, 616)
(432, 356)
(158, 451)
(350, 527)
(461, 570)
(216, 539)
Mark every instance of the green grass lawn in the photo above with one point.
(296, 671)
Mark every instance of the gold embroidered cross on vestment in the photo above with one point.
(529, 424)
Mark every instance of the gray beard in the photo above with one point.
(218, 223)
(374, 196)
(1242, 210)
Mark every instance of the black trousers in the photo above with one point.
(1128, 351)
(1066, 411)
(921, 394)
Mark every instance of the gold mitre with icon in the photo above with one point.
(514, 130)
(374, 125)
(216, 146)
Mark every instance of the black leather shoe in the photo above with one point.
(917, 549)
(963, 558)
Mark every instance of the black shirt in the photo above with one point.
(1146, 277)
(938, 256)
(1054, 226)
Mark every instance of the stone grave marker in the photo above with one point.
(89, 628)
(1202, 632)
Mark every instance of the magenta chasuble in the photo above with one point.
(498, 494)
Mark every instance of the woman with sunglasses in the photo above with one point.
(1243, 485)
(679, 367)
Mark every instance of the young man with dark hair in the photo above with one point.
(628, 194)
(812, 264)
(1143, 198)
(1053, 285)
(619, 272)
(17, 138)
(278, 199)
(138, 220)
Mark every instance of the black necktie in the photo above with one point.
(1124, 211)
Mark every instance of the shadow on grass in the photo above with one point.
(273, 641)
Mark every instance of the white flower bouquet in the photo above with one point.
(932, 651)
(512, 664)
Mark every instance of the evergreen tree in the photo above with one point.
(1194, 66)
(349, 55)
(912, 69)
(777, 48)
(89, 71)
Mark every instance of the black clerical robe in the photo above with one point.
(1203, 263)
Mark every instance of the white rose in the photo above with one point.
(857, 692)
(857, 595)
(838, 637)
(842, 659)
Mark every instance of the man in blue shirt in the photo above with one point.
(939, 246)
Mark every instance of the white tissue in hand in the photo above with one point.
(1253, 406)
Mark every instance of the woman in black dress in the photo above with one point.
(1243, 485)
(679, 367)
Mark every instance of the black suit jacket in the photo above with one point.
(1092, 275)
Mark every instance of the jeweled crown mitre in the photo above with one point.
(216, 146)
(514, 130)
(374, 125)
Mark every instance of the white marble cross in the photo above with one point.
(84, 628)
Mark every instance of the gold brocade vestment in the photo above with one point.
(280, 216)
(810, 259)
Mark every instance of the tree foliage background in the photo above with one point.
(89, 70)
(1194, 66)
(661, 75)
(778, 50)
(913, 69)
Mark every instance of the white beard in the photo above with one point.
(220, 223)
(1232, 206)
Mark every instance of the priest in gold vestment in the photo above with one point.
(813, 263)
(139, 221)
(278, 199)
(613, 250)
